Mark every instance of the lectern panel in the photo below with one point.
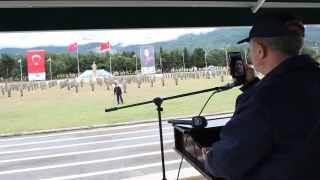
(191, 147)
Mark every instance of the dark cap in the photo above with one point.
(274, 25)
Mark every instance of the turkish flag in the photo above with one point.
(105, 46)
(73, 47)
(36, 65)
(316, 44)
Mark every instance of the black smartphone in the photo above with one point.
(236, 64)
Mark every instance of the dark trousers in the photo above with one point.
(120, 98)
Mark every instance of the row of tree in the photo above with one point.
(65, 64)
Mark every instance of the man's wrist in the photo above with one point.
(249, 84)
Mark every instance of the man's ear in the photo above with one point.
(261, 51)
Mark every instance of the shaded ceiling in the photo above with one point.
(103, 14)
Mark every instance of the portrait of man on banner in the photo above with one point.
(147, 56)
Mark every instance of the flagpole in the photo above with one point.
(20, 70)
(110, 63)
(50, 70)
(161, 64)
(136, 65)
(205, 59)
(77, 61)
(184, 67)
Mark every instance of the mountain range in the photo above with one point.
(219, 38)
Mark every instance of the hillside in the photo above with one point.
(218, 38)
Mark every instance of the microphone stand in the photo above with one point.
(158, 101)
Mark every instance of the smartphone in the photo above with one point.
(236, 64)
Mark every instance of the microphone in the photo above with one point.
(196, 122)
(237, 82)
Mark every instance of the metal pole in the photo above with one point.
(136, 65)
(158, 101)
(77, 61)
(161, 64)
(21, 70)
(110, 63)
(205, 59)
(51, 71)
(227, 59)
(184, 67)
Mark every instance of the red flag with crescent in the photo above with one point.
(36, 61)
(105, 46)
(36, 65)
(73, 47)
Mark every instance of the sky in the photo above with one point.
(115, 37)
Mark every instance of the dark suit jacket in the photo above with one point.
(275, 131)
(117, 90)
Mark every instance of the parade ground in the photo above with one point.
(56, 108)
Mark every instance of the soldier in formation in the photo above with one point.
(81, 82)
(76, 85)
(176, 78)
(221, 75)
(92, 84)
(9, 90)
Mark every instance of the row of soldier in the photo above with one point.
(110, 80)
(20, 86)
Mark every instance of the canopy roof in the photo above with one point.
(105, 14)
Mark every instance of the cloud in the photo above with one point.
(115, 37)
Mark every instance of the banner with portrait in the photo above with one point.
(36, 65)
(147, 60)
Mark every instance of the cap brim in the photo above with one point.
(244, 40)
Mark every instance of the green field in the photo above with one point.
(55, 108)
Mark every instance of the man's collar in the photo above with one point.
(289, 64)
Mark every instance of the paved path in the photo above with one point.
(129, 152)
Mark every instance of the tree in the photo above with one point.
(15, 73)
(118, 63)
(216, 57)
(187, 58)
(61, 67)
(129, 64)
(7, 63)
(176, 58)
(166, 60)
(198, 58)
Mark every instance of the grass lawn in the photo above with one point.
(62, 108)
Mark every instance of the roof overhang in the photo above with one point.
(105, 14)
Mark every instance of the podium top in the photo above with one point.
(211, 123)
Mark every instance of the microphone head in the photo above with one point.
(199, 122)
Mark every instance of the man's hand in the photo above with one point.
(250, 75)
(204, 153)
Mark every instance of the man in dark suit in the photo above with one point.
(275, 129)
(118, 92)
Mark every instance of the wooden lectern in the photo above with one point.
(198, 139)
